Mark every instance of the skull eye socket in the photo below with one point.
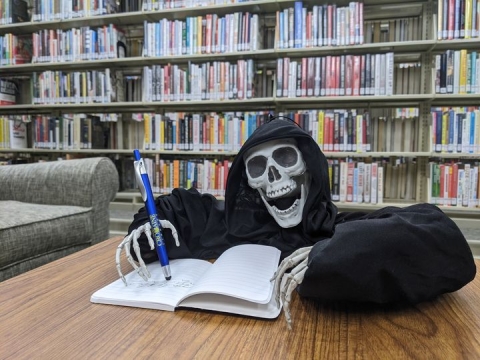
(256, 166)
(285, 156)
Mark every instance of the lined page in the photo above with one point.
(243, 271)
(157, 293)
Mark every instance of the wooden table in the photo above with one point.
(46, 313)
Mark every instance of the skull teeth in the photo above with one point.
(286, 211)
(282, 191)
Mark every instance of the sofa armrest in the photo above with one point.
(78, 182)
(90, 182)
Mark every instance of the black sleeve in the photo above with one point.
(390, 255)
(198, 219)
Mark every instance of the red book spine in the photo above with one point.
(328, 86)
(304, 76)
(356, 75)
(451, 19)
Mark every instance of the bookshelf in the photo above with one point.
(383, 18)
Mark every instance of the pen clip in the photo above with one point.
(139, 170)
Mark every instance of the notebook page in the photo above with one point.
(233, 305)
(157, 293)
(243, 271)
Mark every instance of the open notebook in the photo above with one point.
(237, 282)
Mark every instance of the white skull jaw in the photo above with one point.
(277, 170)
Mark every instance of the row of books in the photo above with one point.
(334, 130)
(72, 132)
(206, 175)
(456, 130)
(71, 9)
(342, 130)
(394, 179)
(149, 5)
(342, 75)
(454, 183)
(458, 19)
(216, 80)
(351, 181)
(13, 11)
(15, 49)
(199, 131)
(209, 34)
(13, 133)
(457, 72)
(324, 25)
(77, 44)
(59, 87)
(372, 181)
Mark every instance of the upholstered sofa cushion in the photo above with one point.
(37, 233)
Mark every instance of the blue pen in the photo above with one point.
(147, 196)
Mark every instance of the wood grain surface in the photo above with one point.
(46, 314)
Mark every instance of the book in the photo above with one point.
(238, 282)
(8, 92)
(19, 11)
(18, 134)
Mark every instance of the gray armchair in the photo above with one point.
(49, 210)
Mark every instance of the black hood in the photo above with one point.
(245, 212)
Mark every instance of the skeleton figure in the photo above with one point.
(278, 194)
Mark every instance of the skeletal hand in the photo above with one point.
(285, 283)
(132, 238)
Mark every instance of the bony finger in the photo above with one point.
(142, 274)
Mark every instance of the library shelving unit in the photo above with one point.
(388, 35)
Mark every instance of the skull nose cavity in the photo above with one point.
(273, 174)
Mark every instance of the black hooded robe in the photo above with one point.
(390, 255)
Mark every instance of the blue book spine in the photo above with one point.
(438, 135)
(223, 33)
(158, 39)
(451, 124)
(473, 73)
(459, 132)
(472, 132)
(297, 13)
(187, 40)
(281, 24)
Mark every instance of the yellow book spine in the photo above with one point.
(164, 177)
(321, 127)
(2, 143)
(468, 18)
(68, 88)
(444, 131)
(176, 173)
(147, 130)
(440, 21)
(243, 132)
(463, 72)
(199, 34)
(277, 29)
(84, 86)
(330, 174)
(213, 168)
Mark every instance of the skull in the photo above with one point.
(277, 170)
